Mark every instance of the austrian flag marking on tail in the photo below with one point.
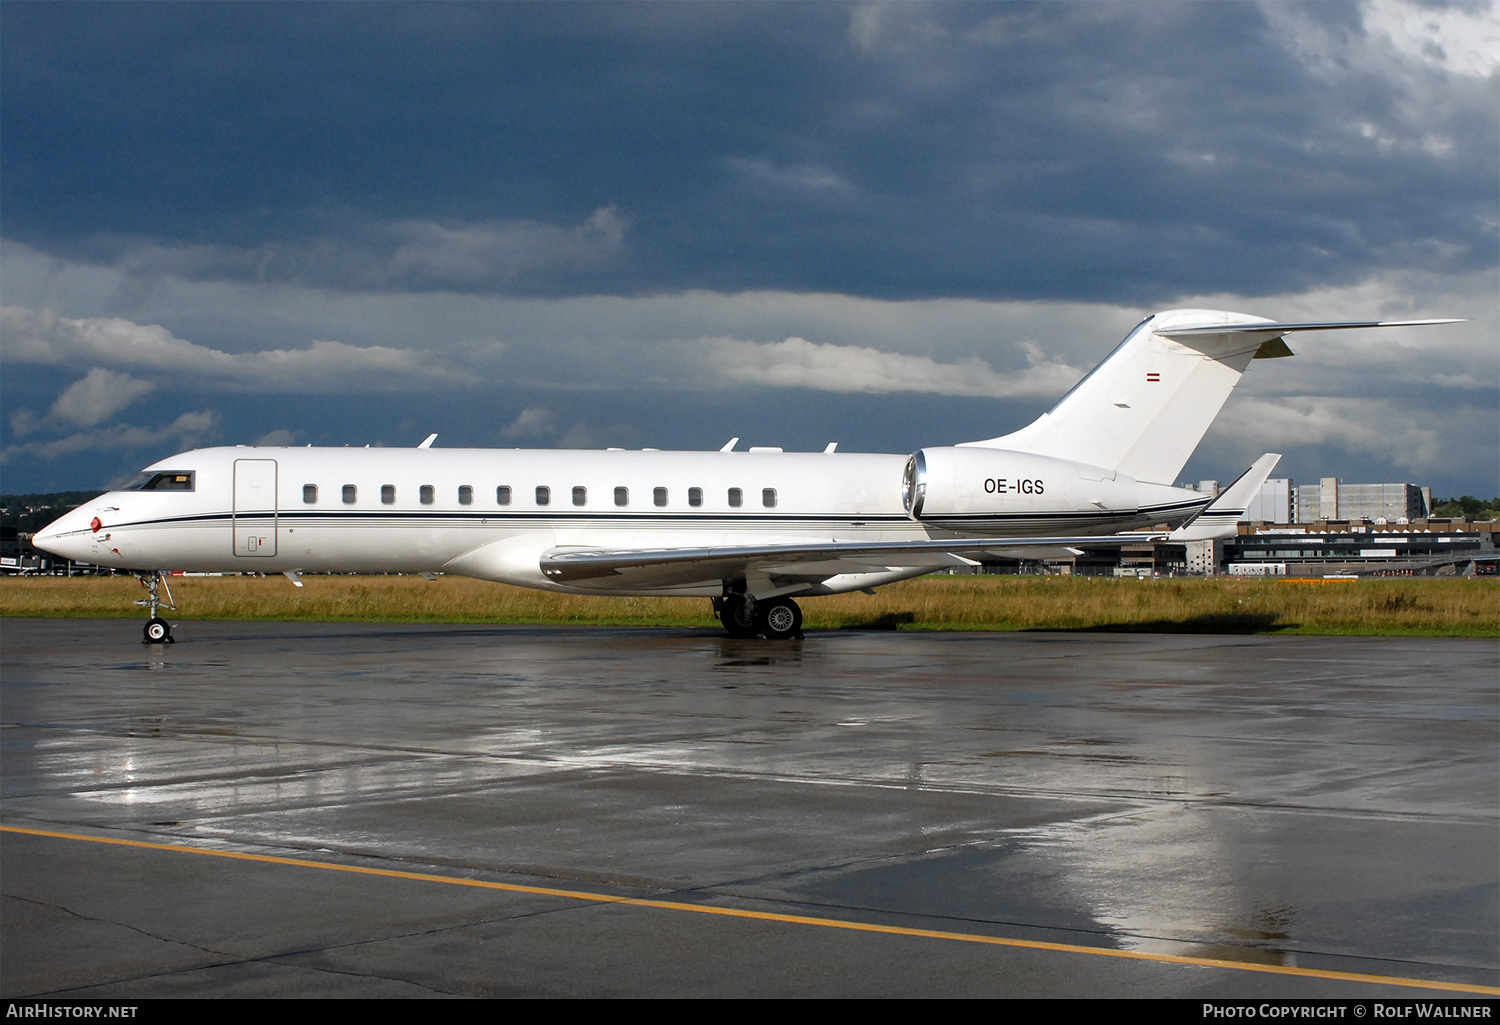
(1153, 378)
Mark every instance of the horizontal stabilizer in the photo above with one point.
(1270, 329)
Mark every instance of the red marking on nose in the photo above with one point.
(95, 525)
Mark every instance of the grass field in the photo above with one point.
(1395, 606)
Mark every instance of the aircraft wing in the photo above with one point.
(804, 560)
(816, 561)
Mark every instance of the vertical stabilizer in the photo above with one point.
(1144, 409)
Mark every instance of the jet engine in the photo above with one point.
(993, 491)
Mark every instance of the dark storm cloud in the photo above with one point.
(1109, 152)
(669, 224)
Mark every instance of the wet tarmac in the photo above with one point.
(491, 811)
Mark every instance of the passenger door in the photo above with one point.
(255, 507)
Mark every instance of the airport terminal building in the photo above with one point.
(1327, 529)
(1284, 501)
(1335, 529)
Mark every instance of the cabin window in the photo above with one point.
(768, 497)
(426, 493)
(580, 495)
(622, 496)
(659, 496)
(502, 495)
(543, 494)
(310, 494)
(736, 498)
(465, 495)
(351, 494)
(387, 494)
(695, 497)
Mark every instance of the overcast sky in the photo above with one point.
(885, 225)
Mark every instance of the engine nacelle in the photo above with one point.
(993, 491)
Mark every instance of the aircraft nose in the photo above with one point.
(66, 537)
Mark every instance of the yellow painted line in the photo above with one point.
(768, 916)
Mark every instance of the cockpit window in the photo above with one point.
(160, 480)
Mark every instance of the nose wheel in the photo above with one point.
(158, 630)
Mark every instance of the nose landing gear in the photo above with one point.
(158, 630)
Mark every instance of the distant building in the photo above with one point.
(1331, 500)
(1427, 547)
(1311, 530)
(1421, 548)
(1284, 501)
(1204, 557)
(1272, 504)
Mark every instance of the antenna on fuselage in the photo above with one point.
(428, 443)
(729, 446)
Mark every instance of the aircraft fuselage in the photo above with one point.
(491, 513)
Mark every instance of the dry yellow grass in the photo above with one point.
(1453, 606)
(1433, 606)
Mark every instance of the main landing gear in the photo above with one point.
(158, 630)
(778, 619)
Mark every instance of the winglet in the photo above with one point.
(428, 442)
(1219, 520)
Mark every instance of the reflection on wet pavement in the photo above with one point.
(1293, 801)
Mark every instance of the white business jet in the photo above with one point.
(750, 530)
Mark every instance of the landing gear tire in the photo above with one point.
(158, 630)
(738, 616)
(779, 619)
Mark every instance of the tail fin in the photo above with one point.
(1144, 409)
(1220, 518)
